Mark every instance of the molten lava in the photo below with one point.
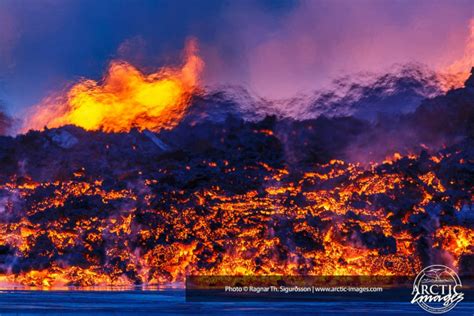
(107, 209)
(125, 98)
(334, 219)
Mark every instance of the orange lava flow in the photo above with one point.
(210, 232)
(124, 99)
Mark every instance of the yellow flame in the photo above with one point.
(125, 98)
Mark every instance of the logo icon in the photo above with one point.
(437, 289)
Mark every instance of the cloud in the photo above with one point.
(5, 123)
(315, 41)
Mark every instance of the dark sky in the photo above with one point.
(275, 47)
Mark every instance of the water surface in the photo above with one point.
(172, 302)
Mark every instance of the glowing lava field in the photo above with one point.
(234, 197)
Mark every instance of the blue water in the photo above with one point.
(172, 302)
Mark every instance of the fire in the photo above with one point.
(455, 74)
(344, 224)
(152, 221)
(124, 99)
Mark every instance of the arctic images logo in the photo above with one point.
(437, 289)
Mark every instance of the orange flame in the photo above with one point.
(457, 72)
(125, 98)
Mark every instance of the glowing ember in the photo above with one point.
(124, 99)
(334, 219)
